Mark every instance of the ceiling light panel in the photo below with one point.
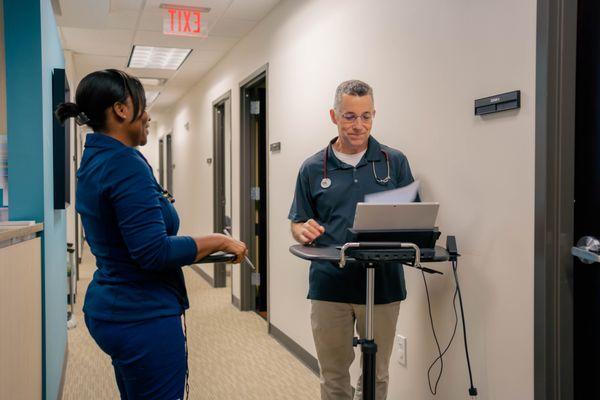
(151, 57)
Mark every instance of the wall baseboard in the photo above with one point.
(203, 274)
(236, 302)
(298, 351)
(61, 386)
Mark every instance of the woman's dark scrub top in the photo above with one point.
(334, 209)
(131, 229)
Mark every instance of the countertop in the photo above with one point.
(12, 230)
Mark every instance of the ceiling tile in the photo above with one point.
(228, 27)
(124, 19)
(95, 15)
(105, 42)
(120, 5)
(152, 73)
(85, 63)
(88, 14)
(200, 59)
(150, 38)
(151, 20)
(250, 9)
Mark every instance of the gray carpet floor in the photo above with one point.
(231, 356)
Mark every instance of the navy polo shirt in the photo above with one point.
(334, 209)
(131, 229)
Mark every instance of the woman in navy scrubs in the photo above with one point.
(134, 304)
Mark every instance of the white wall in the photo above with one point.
(427, 61)
(73, 82)
(151, 150)
(192, 175)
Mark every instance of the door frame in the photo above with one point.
(161, 162)
(75, 164)
(80, 132)
(554, 191)
(169, 163)
(247, 300)
(219, 148)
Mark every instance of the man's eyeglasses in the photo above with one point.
(350, 117)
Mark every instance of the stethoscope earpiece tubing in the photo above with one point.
(326, 181)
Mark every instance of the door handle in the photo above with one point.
(587, 250)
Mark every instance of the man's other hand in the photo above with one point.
(307, 232)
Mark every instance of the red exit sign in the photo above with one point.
(183, 20)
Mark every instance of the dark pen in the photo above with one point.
(245, 257)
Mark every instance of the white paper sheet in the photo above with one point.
(406, 194)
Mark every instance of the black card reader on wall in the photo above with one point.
(497, 103)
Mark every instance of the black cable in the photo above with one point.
(187, 369)
(433, 390)
(440, 357)
(457, 291)
(472, 389)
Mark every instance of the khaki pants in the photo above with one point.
(333, 330)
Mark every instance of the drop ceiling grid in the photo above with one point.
(99, 33)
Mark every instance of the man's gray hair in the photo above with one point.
(353, 88)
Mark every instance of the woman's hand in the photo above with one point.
(218, 242)
(236, 247)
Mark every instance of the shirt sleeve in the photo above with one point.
(405, 176)
(131, 190)
(302, 208)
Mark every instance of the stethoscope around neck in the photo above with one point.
(326, 181)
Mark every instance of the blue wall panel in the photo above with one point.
(55, 241)
(24, 109)
(33, 50)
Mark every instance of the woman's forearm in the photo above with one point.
(209, 244)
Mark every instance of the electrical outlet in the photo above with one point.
(401, 350)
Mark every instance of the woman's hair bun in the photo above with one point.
(65, 111)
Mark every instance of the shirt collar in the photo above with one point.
(332, 160)
(373, 154)
(100, 140)
(374, 150)
(103, 141)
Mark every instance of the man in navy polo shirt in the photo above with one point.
(329, 185)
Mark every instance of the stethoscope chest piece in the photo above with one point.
(325, 183)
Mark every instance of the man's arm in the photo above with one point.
(306, 232)
(304, 227)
